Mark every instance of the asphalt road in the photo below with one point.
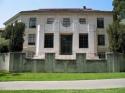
(50, 85)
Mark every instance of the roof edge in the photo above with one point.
(15, 16)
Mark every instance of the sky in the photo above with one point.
(9, 8)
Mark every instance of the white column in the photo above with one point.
(37, 40)
(56, 37)
(92, 41)
(40, 42)
(75, 45)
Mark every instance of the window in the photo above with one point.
(83, 40)
(32, 23)
(82, 21)
(66, 44)
(66, 22)
(31, 39)
(50, 20)
(101, 40)
(101, 55)
(100, 22)
(48, 41)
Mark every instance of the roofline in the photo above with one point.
(36, 11)
(15, 16)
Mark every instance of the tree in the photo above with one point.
(4, 45)
(116, 31)
(15, 35)
(119, 10)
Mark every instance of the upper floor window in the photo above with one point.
(100, 22)
(82, 21)
(48, 40)
(83, 40)
(66, 22)
(101, 40)
(32, 23)
(50, 20)
(31, 39)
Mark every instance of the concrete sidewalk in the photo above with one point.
(80, 84)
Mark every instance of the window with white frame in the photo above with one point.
(100, 22)
(101, 40)
(32, 23)
(66, 22)
(82, 20)
(83, 40)
(48, 40)
(50, 20)
(31, 39)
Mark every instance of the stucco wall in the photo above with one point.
(91, 18)
(17, 62)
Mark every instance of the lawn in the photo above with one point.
(58, 76)
(68, 91)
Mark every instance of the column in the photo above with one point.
(92, 41)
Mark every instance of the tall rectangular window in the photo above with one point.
(83, 40)
(48, 41)
(100, 22)
(31, 39)
(32, 23)
(101, 40)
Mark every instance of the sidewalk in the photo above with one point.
(80, 84)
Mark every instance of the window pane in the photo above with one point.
(66, 22)
(101, 39)
(32, 23)
(31, 39)
(100, 22)
(48, 41)
(50, 20)
(83, 41)
(82, 21)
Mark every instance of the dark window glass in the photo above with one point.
(32, 23)
(66, 22)
(83, 40)
(82, 21)
(48, 41)
(100, 22)
(101, 40)
(31, 39)
(66, 44)
(50, 20)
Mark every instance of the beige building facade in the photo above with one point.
(65, 32)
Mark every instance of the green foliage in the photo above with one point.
(7, 33)
(119, 9)
(4, 45)
(116, 31)
(116, 34)
(16, 39)
(15, 35)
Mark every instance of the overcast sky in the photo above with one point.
(9, 8)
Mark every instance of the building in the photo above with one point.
(65, 32)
